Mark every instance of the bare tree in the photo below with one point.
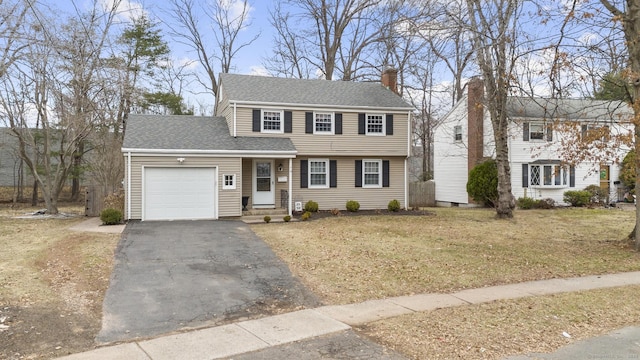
(341, 38)
(493, 26)
(215, 54)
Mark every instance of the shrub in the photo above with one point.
(311, 206)
(305, 216)
(394, 205)
(598, 196)
(267, 219)
(353, 206)
(628, 170)
(335, 211)
(483, 183)
(111, 216)
(287, 218)
(546, 203)
(577, 197)
(526, 203)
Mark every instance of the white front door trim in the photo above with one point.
(264, 193)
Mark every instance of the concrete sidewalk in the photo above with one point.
(252, 335)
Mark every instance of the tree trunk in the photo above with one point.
(506, 201)
(34, 193)
(76, 171)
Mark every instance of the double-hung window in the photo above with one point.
(548, 176)
(457, 133)
(323, 123)
(372, 173)
(272, 121)
(375, 124)
(318, 173)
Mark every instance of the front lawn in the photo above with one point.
(353, 259)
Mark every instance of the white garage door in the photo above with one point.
(179, 193)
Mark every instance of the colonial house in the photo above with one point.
(538, 137)
(273, 143)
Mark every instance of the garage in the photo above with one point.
(179, 193)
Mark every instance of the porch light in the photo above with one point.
(280, 167)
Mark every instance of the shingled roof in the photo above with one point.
(289, 92)
(569, 109)
(201, 133)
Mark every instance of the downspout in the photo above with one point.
(235, 128)
(129, 185)
(290, 205)
(406, 159)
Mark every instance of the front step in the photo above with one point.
(270, 212)
(259, 219)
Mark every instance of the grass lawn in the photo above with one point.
(352, 259)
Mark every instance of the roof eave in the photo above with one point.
(328, 106)
(223, 153)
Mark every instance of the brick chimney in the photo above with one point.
(475, 122)
(390, 78)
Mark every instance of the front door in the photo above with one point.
(264, 194)
(605, 180)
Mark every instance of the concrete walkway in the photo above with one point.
(252, 335)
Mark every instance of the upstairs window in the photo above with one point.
(375, 124)
(323, 123)
(537, 131)
(271, 121)
(457, 133)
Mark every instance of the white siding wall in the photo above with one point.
(450, 169)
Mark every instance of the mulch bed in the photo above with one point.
(321, 214)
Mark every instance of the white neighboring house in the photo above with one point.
(538, 170)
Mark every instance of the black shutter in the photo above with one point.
(333, 173)
(389, 124)
(525, 131)
(361, 124)
(338, 130)
(288, 122)
(549, 132)
(385, 173)
(525, 175)
(308, 123)
(358, 173)
(304, 174)
(572, 176)
(256, 120)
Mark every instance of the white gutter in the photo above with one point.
(128, 185)
(406, 185)
(279, 153)
(290, 187)
(235, 124)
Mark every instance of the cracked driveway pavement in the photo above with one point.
(186, 274)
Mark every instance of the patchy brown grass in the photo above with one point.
(52, 282)
(352, 259)
(502, 328)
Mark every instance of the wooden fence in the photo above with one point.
(422, 193)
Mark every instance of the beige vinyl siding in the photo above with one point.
(229, 201)
(348, 143)
(369, 198)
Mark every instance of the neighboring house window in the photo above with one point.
(375, 124)
(549, 175)
(371, 173)
(457, 133)
(229, 182)
(323, 123)
(272, 121)
(318, 173)
(537, 131)
(592, 132)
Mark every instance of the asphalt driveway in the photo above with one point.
(185, 274)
